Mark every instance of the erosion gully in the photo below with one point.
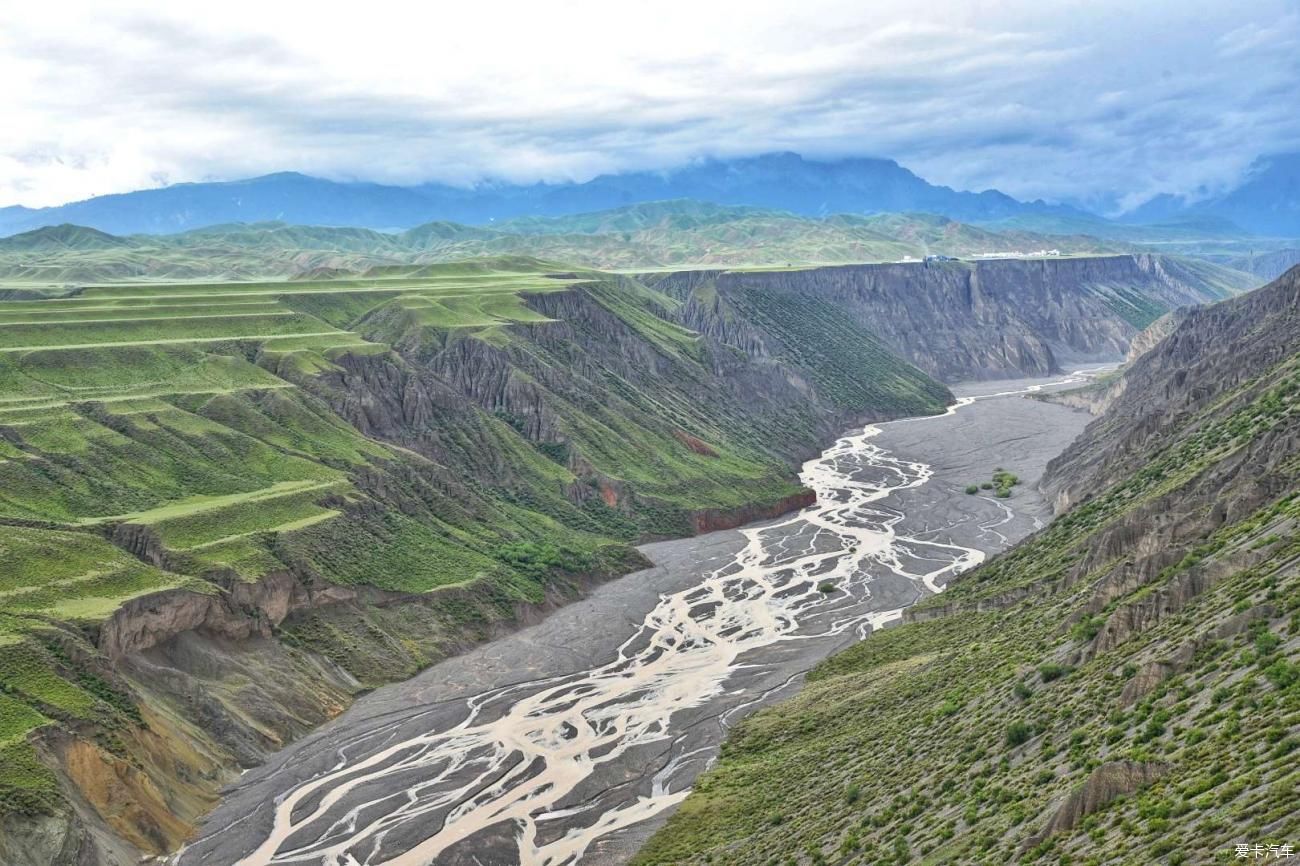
(573, 739)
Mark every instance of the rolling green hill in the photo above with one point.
(653, 235)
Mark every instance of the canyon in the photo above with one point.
(357, 477)
(520, 752)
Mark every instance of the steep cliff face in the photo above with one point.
(635, 407)
(1121, 686)
(989, 319)
(1097, 395)
(1153, 333)
(1211, 352)
(1266, 266)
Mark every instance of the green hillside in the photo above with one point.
(1122, 687)
(471, 437)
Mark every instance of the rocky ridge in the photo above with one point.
(987, 319)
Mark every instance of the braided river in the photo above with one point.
(570, 741)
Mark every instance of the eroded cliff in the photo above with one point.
(988, 319)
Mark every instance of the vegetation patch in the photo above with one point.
(999, 485)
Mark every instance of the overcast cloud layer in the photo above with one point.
(1102, 102)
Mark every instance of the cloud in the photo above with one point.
(1102, 102)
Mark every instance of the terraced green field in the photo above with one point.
(69, 575)
(135, 403)
(180, 410)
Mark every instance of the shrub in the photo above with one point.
(536, 560)
(1282, 674)
(557, 451)
(972, 489)
(1154, 729)
(826, 587)
(1266, 642)
(1053, 671)
(1087, 629)
(1018, 733)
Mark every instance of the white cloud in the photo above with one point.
(1106, 101)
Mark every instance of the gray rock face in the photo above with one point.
(1212, 351)
(984, 320)
(247, 610)
(1268, 266)
(1153, 333)
(1110, 780)
(44, 841)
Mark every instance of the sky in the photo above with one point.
(1101, 103)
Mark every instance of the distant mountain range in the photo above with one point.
(784, 181)
(1268, 203)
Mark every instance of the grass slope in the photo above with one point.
(477, 433)
(1122, 687)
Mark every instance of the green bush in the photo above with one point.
(1087, 629)
(1282, 674)
(1266, 642)
(557, 451)
(1018, 733)
(1052, 671)
(534, 560)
